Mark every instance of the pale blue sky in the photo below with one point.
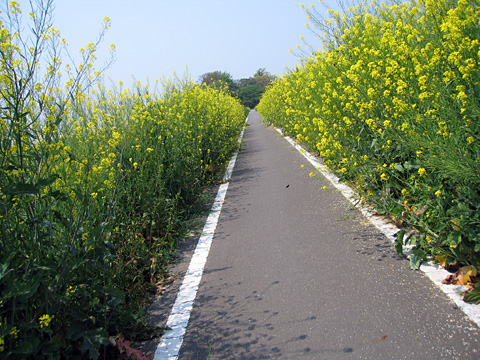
(153, 38)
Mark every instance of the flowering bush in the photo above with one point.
(392, 105)
(95, 190)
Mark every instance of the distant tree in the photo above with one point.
(248, 90)
(250, 95)
(260, 72)
(218, 79)
(263, 77)
(246, 82)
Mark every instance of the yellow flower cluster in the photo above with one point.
(45, 320)
(382, 81)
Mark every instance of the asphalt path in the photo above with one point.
(294, 272)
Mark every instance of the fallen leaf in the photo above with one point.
(379, 340)
(464, 274)
(421, 210)
(442, 260)
(449, 279)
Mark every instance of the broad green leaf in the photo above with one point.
(416, 259)
(89, 345)
(399, 167)
(28, 346)
(23, 189)
(92, 340)
(25, 348)
(414, 164)
(47, 181)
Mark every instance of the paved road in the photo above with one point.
(295, 273)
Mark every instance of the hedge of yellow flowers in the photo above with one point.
(92, 217)
(392, 104)
(97, 187)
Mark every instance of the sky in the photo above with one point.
(154, 38)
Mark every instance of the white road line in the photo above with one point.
(169, 347)
(434, 271)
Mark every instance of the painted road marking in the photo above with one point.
(434, 271)
(171, 343)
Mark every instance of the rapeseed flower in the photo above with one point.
(45, 320)
(422, 172)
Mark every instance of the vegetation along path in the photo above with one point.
(295, 272)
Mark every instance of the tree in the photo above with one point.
(248, 90)
(219, 79)
(263, 77)
(250, 95)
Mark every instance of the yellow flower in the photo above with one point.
(384, 177)
(470, 139)
(149, 150)
(14, 332)
(404, 192)
(312, 174)
(45, 320)
(324, 188)
(422, 172)
(438, 193)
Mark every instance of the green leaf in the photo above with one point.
(417, 258)
(92, 340)
(23, 189)
(25, 348)
(399, 167)
(477, 247)
(399, 238)
(454, 238)
(47, 181)
(28, 346)
(118, 297)
(473, 297)
(26, 290)
(88, 345)
(78, 314)
(414, 164)
(4, 270)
